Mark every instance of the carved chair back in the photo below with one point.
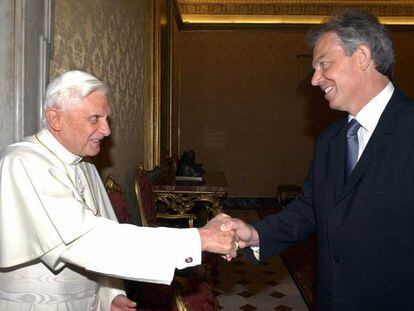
(143, 191)
(117, 198)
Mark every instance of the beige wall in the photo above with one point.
(105, 38)
(247, 106)
(243, 97)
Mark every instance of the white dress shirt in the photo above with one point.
(369, 116)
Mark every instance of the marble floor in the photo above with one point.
(241, 285)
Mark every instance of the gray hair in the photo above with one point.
(69, 89)
(354, 28)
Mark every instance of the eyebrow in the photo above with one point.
(318, 60)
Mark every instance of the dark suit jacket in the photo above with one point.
(365, 227)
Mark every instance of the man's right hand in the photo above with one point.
(215, 240)
(246, 234)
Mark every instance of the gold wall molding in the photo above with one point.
(275, 12)
(158, 83)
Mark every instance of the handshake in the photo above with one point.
(225, 235)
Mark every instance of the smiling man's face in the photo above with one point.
(81, 128)
(338, 75)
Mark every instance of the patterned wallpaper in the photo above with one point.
(247, 106)
(249, 94)
(105, 38)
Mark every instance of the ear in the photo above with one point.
(364, 56)
(54, 118)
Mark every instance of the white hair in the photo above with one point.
(69, 89)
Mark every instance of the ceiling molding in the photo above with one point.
(233, 12)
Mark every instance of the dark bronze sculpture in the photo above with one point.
(187, 165)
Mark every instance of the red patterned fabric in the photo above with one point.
(200, 297)
(147, 199)
(156, 297)
(120, 207)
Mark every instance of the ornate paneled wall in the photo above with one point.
(247, 106)
(106, 38)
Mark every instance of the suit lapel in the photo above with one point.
(376, 145)
(337, 159)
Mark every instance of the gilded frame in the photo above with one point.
(157, 108)
(392, 12)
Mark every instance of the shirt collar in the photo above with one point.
(369, 116)
(57, 148)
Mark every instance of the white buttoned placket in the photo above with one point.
(79, 182)
(84, 187)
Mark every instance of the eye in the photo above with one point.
(93, 119)
(324, 65)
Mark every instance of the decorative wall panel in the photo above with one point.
(106, 38)
(288, 11)
(247, 106)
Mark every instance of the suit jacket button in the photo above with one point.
(189, 260)
(336, 259)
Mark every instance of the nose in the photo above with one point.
(105, 129)
(316, 77)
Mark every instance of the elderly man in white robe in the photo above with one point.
(61, 247)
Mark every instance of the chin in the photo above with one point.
(335, 106)
(93, 153)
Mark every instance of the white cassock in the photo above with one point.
(59, 238)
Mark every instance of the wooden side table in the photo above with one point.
(184, 195)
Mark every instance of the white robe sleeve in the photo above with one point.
(43, 217)
(136, 253)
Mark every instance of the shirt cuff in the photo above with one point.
(256, 252)
(189, 253)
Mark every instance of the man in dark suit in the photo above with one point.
(363, 213)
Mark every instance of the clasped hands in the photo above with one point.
(225, 235)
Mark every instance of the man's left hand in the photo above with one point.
(122, 303)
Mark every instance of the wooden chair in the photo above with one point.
(147, 207)
(182, 295)
(117, 197)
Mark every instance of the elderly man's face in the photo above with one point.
(83, 126)
(338, 75)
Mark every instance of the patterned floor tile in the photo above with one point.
(277, 295)
(283, 308)
(248, 308)
(245, 294)
(241, 285)
(243, 282)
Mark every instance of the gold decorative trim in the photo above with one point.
(151, 88)
(297, 12)
(112, 185)
(299, 1)
(158, 83)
